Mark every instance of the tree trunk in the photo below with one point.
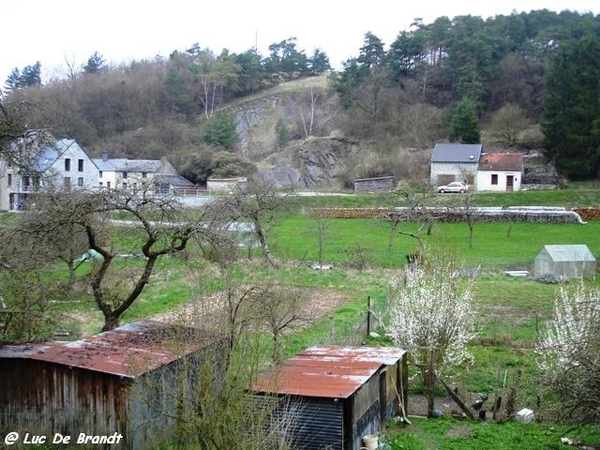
(111, 321)
(277, 359)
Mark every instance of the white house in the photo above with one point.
(454, 162)
(132, 173)
(60, 164)
(500, 172)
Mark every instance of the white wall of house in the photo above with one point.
(498, 180)
(72, 169)
(118, 178)
(459, 170)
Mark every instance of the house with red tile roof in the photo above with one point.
(499, 172)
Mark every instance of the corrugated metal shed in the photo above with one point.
(331, 396)
(327, 371)
(126, 380)
(128, 351)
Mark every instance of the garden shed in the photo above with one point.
(379, 184)
(123, 381)
(565, 261)
(332, 396)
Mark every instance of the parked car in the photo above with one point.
(455, 186)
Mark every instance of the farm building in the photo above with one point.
(331, 397)
(454, 162)
(124, 381)
(565, 261)
(500, 172)
(379, 184)
(226, 184)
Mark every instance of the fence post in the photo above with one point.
(368, 315)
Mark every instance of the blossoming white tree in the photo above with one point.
(569, 353)
(432, 315)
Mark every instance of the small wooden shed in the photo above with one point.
(565, 261)
(332, 396)
(379, 184)
(124, 382)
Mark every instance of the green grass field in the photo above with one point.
(513, 311)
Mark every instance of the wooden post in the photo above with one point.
(331, 331)
(368, 316)
(430, 383)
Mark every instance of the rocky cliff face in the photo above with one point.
(316, 149)
(309, 163)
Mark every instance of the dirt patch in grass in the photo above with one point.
(211, 308)
(458, 432)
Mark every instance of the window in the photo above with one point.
(124, 185)
(80, 165)
(80, 181)
(9, 181)
(494, 179)
(144, 174)
(67, 183)
(124, 174)
(67, 164)
(100, 184)
(108, 184)
(99, 174)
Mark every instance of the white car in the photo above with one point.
(455, 186)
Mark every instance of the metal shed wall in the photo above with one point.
(311, 424)
(45, 398)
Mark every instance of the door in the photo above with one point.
(510, 182)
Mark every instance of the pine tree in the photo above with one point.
(465, 126)
(571, 122)
(220, 131)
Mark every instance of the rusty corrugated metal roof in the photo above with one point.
(327, 371)
(130, 350)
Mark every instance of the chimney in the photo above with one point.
(104, 155)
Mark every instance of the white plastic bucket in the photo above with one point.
(371, 441)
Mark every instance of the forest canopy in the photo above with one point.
(532, 62)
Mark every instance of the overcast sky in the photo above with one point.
(56, 31)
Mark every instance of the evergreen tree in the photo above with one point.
(464, 124)
(220, 131)
(319, 62)
(94, 64)
(13, 81)
(571, 122)
(31, 75)
(282, 133)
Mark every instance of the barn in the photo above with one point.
(565, 261)
(333, 396)
(374, 185)
(124, 382)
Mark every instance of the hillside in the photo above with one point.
(315, 149)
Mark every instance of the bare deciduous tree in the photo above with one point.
(29, 286)
(279, 307)
(154, 227)
(257, 204)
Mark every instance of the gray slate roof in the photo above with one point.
(456, 153)
(128, 165)
(49, 153)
